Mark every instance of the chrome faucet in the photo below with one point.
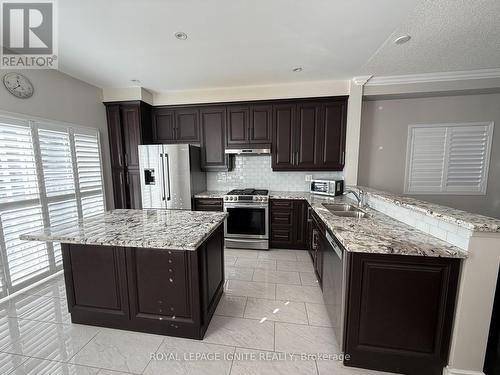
(360, 196)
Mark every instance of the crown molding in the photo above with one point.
(361, 80)
(434, 77)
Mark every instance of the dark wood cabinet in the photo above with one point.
(163, 125)
(115, 135)
(283, 152)
(249, 126)
(261, 124)
(288, 221)
(161, 291)
(308, 145)
(129, 125)
(213, 139)
(101, 294)
(179, 125)
(208, 204)
(400, 312)
(318, 245)
(238, 125)
(187, 129)
(133, 180)
(309, 135)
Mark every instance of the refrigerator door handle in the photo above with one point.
(167, 177)
(163, 179)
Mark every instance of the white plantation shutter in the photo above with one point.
(448, 158)
(63, 212)
(56, 161)
(50, 174)
(25, 259)
(88, 162)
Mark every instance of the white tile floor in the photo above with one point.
(272, 305)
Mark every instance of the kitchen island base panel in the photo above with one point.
(160, 291)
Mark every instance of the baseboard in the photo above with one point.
(454, 371)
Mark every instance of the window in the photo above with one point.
(50, 173)
(448, 158)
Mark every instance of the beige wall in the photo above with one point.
(384, 129)
(63, 98)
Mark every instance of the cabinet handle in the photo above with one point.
(293, 158)
(342, 158)
(314, 239)
(126, 159)
(297, 158)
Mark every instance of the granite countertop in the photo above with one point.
(159, 229)
(471, 221)
(377, 233)
(380, 234)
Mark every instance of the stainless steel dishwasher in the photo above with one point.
(334, 285)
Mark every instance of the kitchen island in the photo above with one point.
(156, 271)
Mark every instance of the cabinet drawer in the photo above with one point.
(208, 204)
(282, 204)
(281, 235)
(281, 218)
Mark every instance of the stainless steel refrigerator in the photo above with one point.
(170, 175)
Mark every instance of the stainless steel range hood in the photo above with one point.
(248, 151)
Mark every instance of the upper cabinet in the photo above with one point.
(249, 126)
(309, 135)
(179, 125)
(213, 131)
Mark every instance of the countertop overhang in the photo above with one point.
(158, 229)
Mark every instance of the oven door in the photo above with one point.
(246, 220)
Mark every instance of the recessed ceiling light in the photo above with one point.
(297, 69)
(135, 80)
(181, 35)
(402, 39)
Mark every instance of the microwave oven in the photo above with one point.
(327, 187)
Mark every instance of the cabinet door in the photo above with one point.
(159, 284)
(238, 125)
(400, 312)
(308, 136)
(134, 189)
(283, 137)
(99, 296)
(187, 129)
(260, 124)
(163, 125)
(115, 135)
(130, 116)
(213, 130)
(300, 224)
(333, 140)
(119, 187)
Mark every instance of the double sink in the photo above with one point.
(345, 210)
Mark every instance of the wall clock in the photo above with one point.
(18, 85)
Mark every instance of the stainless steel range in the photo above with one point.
(247, 225)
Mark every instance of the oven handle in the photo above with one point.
(245, 205)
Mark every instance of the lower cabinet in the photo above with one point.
(161, 291)
(208, 204)
(400, 312)
(288, 221)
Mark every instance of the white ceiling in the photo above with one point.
(231, 42)
(259, 42)
(447, 35)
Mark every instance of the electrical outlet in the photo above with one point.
(308, 177)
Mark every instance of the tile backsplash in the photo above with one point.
(255, 172)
